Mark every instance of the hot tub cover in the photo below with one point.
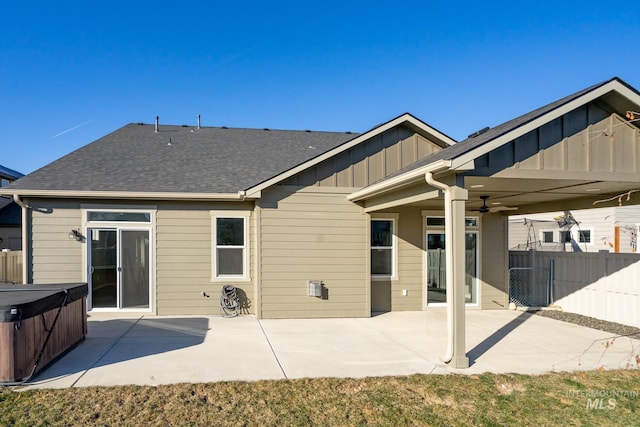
(19, 302)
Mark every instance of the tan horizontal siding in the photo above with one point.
(314, 270)
(334, 238)
(282, 274)
(294, 247)
(184, 255)
(54, 257)
(299, 288)
(312, 235)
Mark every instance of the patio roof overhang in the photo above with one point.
(576, 153)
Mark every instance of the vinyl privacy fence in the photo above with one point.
(602, 285)
(10, 267)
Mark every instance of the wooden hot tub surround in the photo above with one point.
(38, 324)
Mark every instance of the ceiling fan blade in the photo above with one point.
(502, 208)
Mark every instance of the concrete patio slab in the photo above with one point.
(148, 350)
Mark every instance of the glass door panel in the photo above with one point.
(134, 268)
(104, 278)
(471, 267)
(436, 268)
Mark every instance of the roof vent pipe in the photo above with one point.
(198, 121)
(157, 118)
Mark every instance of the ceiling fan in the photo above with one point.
(486, 209)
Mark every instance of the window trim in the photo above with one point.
(476, 229)
(394, 245)
(245, 216)
(573, 233)
(576, 235)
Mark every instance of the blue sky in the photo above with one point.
(71, 72)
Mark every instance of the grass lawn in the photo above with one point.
(568, 399)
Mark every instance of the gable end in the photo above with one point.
(368, 162)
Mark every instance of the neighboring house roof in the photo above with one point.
(10, 213)
(180, 159)
(5, 172)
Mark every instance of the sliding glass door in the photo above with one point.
(119, 270)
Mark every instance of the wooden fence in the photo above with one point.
(602, 285)
(10, 267)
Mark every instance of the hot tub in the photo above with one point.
(37, 324)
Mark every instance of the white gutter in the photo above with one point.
(25, 236)
(240, 195)
(448, 235)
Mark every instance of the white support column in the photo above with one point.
(458, 199)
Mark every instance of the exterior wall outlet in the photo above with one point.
(404, 293)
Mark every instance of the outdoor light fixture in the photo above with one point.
(75, 234)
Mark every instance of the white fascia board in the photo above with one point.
(123, 195)
(614, 85)
(405, 118)
(404, 201)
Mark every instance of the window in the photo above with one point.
(4, 182)
(113, 216)
(567, 236)
(230, 243)
(439, 221)
(583, 236)
(382, 248)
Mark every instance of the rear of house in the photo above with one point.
(158, 218)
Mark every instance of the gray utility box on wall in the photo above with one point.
(315, 288)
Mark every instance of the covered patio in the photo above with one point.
(579, 151)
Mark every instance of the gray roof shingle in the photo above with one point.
(180, 159)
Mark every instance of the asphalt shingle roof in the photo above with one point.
(181, 159)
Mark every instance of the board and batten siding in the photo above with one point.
(313, 233)
(184, 245)
(369, 162)
(587, 143)
(53, 257)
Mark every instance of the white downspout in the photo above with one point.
(25, 243)
(448, 235)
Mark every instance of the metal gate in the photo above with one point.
(529, 287)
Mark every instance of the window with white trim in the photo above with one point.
(383, 244)
(584, 236)
(230, 243)
(567, 236)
